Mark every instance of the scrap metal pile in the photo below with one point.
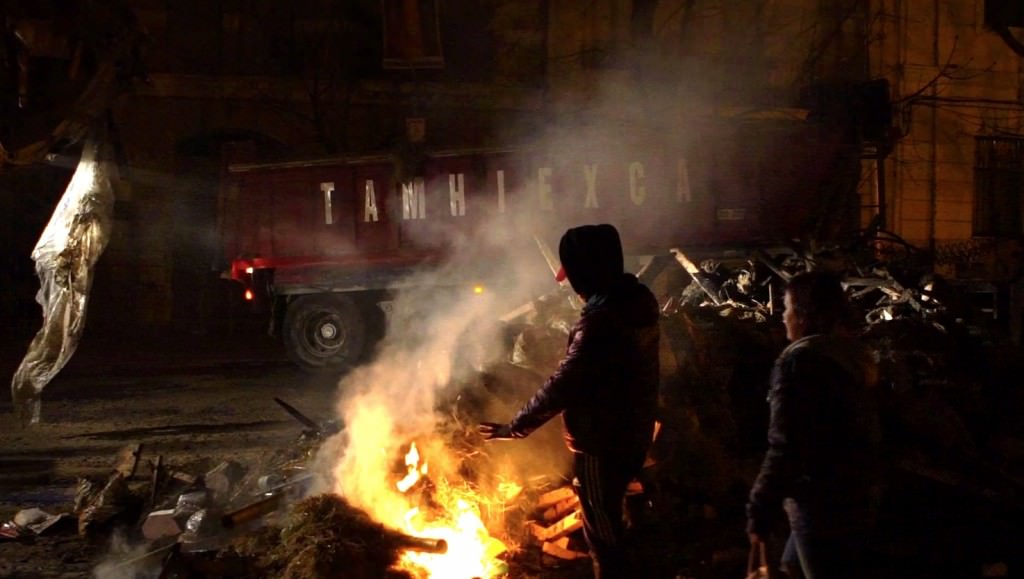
(949, 392)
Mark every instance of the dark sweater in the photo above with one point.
(607, 384)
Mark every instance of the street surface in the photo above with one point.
(193, 405)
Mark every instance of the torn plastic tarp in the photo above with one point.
(65, 255)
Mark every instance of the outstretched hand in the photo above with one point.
(496, 431)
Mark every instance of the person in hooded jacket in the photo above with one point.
(821, 467)
(605, 388)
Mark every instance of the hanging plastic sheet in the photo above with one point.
(65, 256)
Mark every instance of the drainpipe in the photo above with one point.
(933, 180)
(933, 175)
(880, 190)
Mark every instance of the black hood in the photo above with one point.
(592, 258)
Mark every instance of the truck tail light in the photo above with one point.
(249, 295)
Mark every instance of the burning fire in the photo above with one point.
(472, 551)
(439, 506)
(412, 459)
(393, 401)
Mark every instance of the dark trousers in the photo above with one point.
(600, 483)
(821, 553)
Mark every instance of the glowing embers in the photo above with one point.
(450, 513)
(412, 459)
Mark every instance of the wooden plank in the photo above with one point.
(154, 482)
(128, 460)
(571, 523)
(560, 509)
(550, 498)
(184, 477)
(561, 550)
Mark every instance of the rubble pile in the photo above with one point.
(948, 389)
(949, 392)
(323, 534)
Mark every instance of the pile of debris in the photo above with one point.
(950, 408)
(222, 523)
(266, 520)
(951, 416)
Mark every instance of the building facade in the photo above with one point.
(933, 90)
(955, 170)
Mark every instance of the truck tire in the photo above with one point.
(324, 332)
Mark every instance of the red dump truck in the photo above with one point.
(326, 241)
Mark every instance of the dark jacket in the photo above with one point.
(607, 384)
(823, 436)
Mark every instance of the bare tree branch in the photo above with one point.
(1012, 41)
(819, 51)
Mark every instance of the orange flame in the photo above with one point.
(455, 512)
(386, 404)
(472, 551)
(412, 459)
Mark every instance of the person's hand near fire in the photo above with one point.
(498, 431)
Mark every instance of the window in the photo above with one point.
(412, 38)
(998, 186)
(1002, 13)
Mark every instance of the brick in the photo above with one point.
(160, 524)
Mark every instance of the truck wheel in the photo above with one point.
(324, 332)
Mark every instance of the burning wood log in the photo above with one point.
(560, 509)
(568, 524)
(561, 550)
(558, 495)
(421, 544)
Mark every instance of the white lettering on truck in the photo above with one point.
(414, 199)
(327, 189)
(457, 193)
(370, 203)
(414, 196)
